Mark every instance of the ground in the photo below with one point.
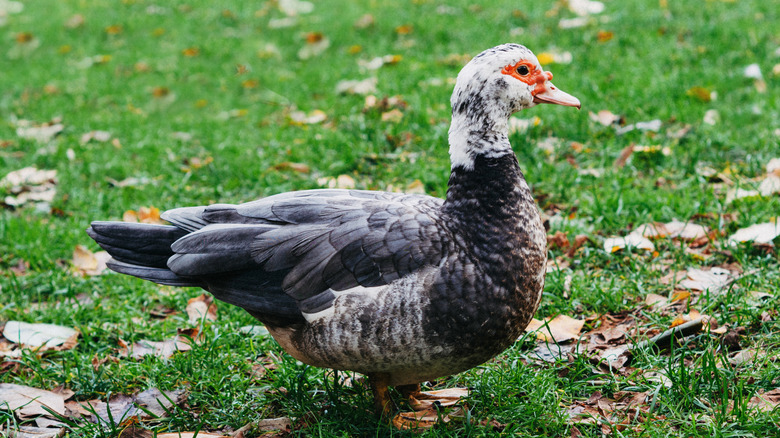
(138, 104)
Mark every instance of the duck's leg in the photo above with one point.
(383, 404)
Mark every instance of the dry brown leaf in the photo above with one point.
(656, 301)
(393, 116)
(340, 182)
(27, 401)
(759, 233)
(295, 167)
(442, 397)
(29, 185)
(632, 240)
(41, 133)
(312, 118)
(201, 308)
(715, 279)
(362, 87)
(38, 335)
(365, 21)
(604, 117)
(147, 215)
(673, 229)
(316, 44)
(88, 263)
(191, 435)
(164, 349)
(98, 136)
(766, 401)
(562, 328)
(419, 420)
(742, 357)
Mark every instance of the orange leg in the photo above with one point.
(383, 404)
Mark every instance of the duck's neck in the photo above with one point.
(491, 206)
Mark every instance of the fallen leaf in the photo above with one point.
(316, 44)
(365, 86)
(764, 233)
(655, 300)
(404, 29)
(198, 434)
(742, 357)
(714, 279)
(711, 117)
(38, 335)
(295, 167)
(562, 328)
(295, 7)
(604, 117)
(766, 401)
(365, 21)
(379, 61)
(573, 23)
(393, 116)
(554, 57)
(29, 184)
(700, 93)
(604, 35)
(518, 125)
(673, 229)
(201, 308)
(633, 240)
(28, 176)
(88, 263)
(163, 349)
(147, 215)
(340, 182)
(753, 71)
(314, 117)
(769, 185)
(26, 401)
(585, 7)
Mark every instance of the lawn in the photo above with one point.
(138, 104)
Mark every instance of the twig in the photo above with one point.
(666, 337)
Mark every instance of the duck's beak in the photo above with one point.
(553, 95)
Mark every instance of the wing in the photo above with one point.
(308, 244)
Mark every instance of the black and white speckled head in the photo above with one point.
(491, 87)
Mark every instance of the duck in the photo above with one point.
(402, 288)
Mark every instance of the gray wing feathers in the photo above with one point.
(286, 253)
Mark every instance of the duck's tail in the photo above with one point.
(140, 250)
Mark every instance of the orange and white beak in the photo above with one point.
(546, 92)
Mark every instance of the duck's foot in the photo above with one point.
(430, 407)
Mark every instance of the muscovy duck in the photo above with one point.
(403, 288)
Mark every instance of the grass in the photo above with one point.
(147, 72)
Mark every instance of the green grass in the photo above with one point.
(644, 72)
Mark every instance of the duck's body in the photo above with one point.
(404, 288)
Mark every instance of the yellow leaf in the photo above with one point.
(604, 36)
(404, 29)
(191, 52)
(114, 29)
(700, 93)
(681, 295)
(545, 58)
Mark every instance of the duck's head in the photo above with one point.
(508, 77)
(491, 87)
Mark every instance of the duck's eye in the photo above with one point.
(523, 70)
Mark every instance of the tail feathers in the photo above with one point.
(145, 245)
(158, 275)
